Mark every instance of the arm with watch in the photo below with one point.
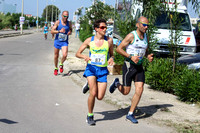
(54, 29)
(120, 49)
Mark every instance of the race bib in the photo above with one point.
(138, 52)
(98, 59)
(62, 37)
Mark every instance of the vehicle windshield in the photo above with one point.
(163, 21)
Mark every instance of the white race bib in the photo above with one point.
(62, 37)
(98, 59)
(138, 52)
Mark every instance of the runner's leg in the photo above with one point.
(93, 93)
(139, 86)
(127, 79)
(124, 89)
(101, 90)
(56, 55)
(64, 52)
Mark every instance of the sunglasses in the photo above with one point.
(65, 16)
(102, 27)
(144, 24)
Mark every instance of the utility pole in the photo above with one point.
(52, 14)
(52, 11)
(46, 10)
(22, 16)
(37, 16)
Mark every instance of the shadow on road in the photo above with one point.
(148, 111)
(8, 121)
(113, 114)
(140, 112)
(72, 71)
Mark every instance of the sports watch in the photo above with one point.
(129, 56)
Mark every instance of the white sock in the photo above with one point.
(130, 113)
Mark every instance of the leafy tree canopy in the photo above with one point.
(49, 9)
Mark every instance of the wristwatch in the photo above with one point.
(129, 56)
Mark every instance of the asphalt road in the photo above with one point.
(33, 100)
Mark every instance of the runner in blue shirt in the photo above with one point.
(62, 29)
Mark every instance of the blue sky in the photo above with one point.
(30, 6)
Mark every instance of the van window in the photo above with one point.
(163, 21)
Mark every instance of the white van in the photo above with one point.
(187, 44)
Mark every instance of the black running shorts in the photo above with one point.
(132, 73)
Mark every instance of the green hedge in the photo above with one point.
(158, 74)
(187, 85)
(85, 31)
(184, 83)
(119, 59)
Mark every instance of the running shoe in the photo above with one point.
(131, 118)
(85, 88)
(55, 72)
(90, 120)
(114, 85)
(61, 68)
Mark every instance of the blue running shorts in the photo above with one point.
(99, 72)
(59, 45)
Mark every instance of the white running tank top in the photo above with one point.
(138, 47)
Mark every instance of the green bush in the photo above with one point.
(1, 26)
(85, 31)
(184, 83)
(187, 85)
(159, 73)
(84, 35)
(119, 59)
(145, 64)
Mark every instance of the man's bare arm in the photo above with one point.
(82, 48)
(54, 31)
(128, 39)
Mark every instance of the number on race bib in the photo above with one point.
(98, 59)
(138, 52)
(62, 37)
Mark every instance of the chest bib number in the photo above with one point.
(98, 59)
(62, 37)
(138, 52)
